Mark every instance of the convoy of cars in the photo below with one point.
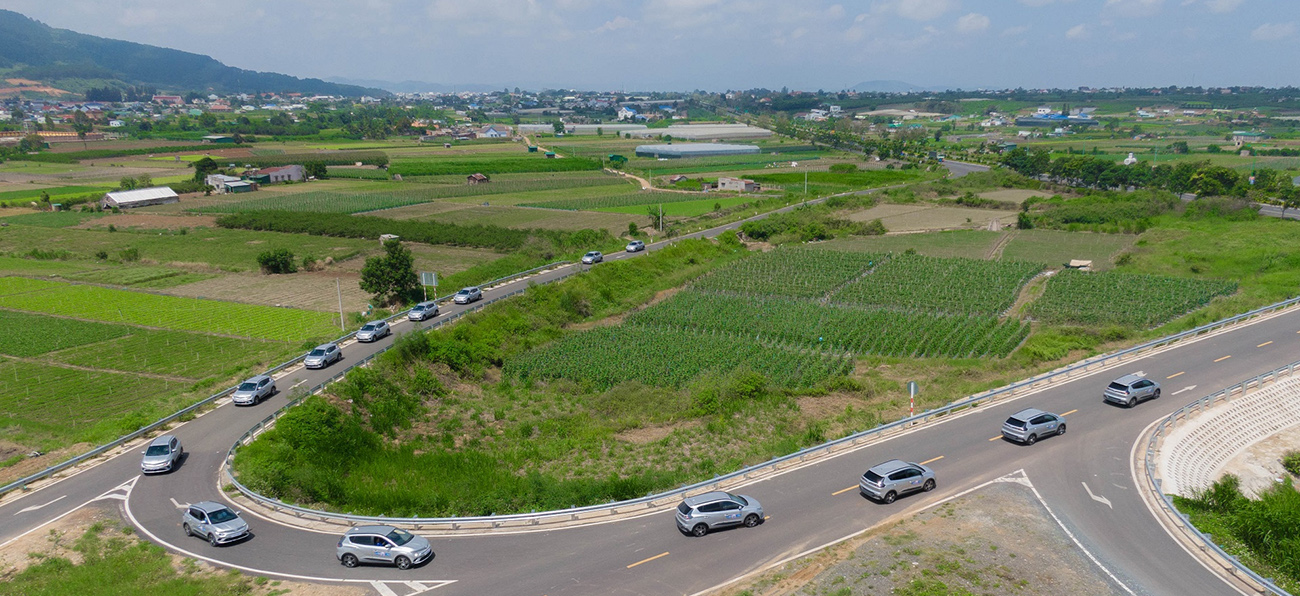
(373, 331)
(253, 391)
(593, 257)
(323, 355)
(467, 295)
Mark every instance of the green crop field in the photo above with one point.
(489, 166)
(795, 272)
(167, 312)
(953, 286)
(176, 353)
(52, 219)
(1056, 248)
(815, 326)
(27, 335)
(624, 199)
(1113, 298)
(971, 244)
(24, 266)
(671, 357)
(694, 208)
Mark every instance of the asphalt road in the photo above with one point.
(1083, 476)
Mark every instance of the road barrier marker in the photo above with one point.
(660, 555)
(842, 491)
(932, 459)
(1224, 358)
(1175, 374)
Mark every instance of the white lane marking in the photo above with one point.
(67, 513)
(35, 507)
(1141, 373)
(417, 586)
(1097, 498)
(130, 515)
(178, 505)
(1187, 388)
(383, 589)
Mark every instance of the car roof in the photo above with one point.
(369, 530)
(1129, 379)
(163, 440)
(708, 497)
(1027, 413)
(326, 346)
(469, 288)
(209, 506)
(256, 379)
(890, 467)
(379, 322)
(427, 304)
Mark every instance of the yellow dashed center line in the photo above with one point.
(842, 491)
(1070, 412)
(1175, 374)
(932, 460)
(996, 438)
(1222, 359)
(660, 555)
(1263, 344)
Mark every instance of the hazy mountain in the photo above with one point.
(417, 86)
(34, 50)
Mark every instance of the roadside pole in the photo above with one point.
(339, 288)
(911, 393)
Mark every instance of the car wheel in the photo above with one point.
(1031, 439)
(402, 563)
(890, 496)
(349, 560)
(212, 539)
(1156, 394)
(751, 520)
(1061, 430)
(1132, 401)
(186, 527)
(699, 530)
(928, 486)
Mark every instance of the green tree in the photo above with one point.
(315, 169)
(82, 124)
(31, 143)
(1179, 147)
(558, 127)
(204, 167)
(391, 277)
(277, 261)
(127, 183)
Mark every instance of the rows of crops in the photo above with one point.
(176, 353)
(27, 335)
(167, 312)
(329, 158)
(436, 167)
(1113, 298)
(663, 356)
(951, 285)
(627, 199)
(841, 329)
(797, 272)
(357, 202)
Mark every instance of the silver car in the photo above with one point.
(423, 311)
(323, 355)
(1131, 389)
(162, 455)
(895, 478)
(699, 514)
(253, 391)
(213, 522)
(382, 544)
(635, 246)
(373, 331)
(467, 295)
(1028, 425)
(592, 258)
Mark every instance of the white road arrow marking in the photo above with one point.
(1096, 498)
(125, 487)
(418, 587)
(383, 589)
(1188, 388)
(35, 507)
(178, 505)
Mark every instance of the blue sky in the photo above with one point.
(720, 44)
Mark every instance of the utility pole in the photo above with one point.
(339, 287)
(661, 218)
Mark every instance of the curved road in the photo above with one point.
(1084, 477)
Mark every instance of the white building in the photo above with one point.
(626, 113)
(116, 124)
(737, 184)
(141, 197)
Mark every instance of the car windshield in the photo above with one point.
(221, 516)
(368, 327)
(463, 293)
(400, 536)
(247, 386)
(591, 254)
(317, 352)
(738, 498)
(1119, 386)
(419, 307)
(872, 477)
(1016, 422)
(157, 450)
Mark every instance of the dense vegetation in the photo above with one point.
(499, 165)
(1263, 532)
(952, 285)
(1107, 212)
(1114, 298)
(808, 223)
(797, 272)
(328, 158)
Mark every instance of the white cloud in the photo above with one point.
(1134, 8)
(1077, 32)
(1273, 31)
(1014, 31)
(972, 23)
(923, 10)
(618, 22)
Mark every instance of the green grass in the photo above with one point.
(1055, 248)
(689, 208)
(31, 335)
(139, 277)
(168, 312)
(51, 219)
(177, 353)
(26, 266)
(1263, 533)
(33, 194)
(970, 244)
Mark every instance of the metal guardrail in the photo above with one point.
(672, 496)
(100, 450)
(1203, 541)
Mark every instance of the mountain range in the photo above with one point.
(33, 50)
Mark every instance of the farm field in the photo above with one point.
(794, 272)
(971, 244)
(1127, 299)
(543, 219)
(192, 356)
(1013, 195)
(43, 267)
(693, 208)
(486, 165)
(953, 286)
(921, 217)
(1055, 248)
(167, 312)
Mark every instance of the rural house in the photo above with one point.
(141, 197)
(291, 173)
(477, 178)
(494, 131)
(737, 184)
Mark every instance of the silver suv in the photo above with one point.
(467, 295)
(253, 391)
(382, 544)
(699, 514)
(635, 246)
(593, 257)
(323, 355)
(423, 311)
(162, 455)
(1131, 389)
(213, 522)
(1027, 425)
(372, 331)
(894, 478)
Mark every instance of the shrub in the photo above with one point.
(277, 261)
(129, 254)
(1291, 461)
(844, 168)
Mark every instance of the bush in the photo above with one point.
(844, 168)
(277, 261)
(1291, 461)
(129, 254)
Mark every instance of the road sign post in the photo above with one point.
(911, 394)
(426, 280)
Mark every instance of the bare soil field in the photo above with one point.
(150, 221)
(306, 290)
(996, 540)
(915, 218)
(1014, 195)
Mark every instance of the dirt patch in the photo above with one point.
(822, 407)
(649, 434)
(1260, 465)
(311, 290)
(618, 319)
(150, 221)
(997, 540)
(31, 465)
(1029, 293)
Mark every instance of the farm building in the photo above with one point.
(289, 173)
(218, 139)
(222, 184)
(694, 150)
(1241, 137)
(477, 178)
(737, 184)
(494, 131)
(141, 197)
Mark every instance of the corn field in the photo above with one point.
(943, 285)
(794, 272)
(1113, 298)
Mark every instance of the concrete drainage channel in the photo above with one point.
(322, 520)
